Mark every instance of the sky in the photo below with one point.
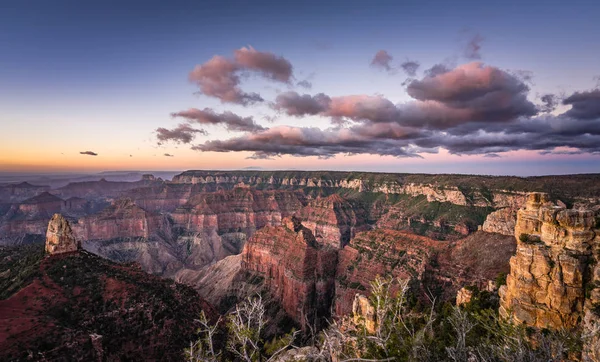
(479, 87)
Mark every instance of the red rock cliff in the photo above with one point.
(297, 271)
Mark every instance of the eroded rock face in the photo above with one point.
(501, 222)
(591, 318)
(298, 271)
(333, 220)
(464, 296)
(122, 219)
(380, 252)
(363, 313)
(59, 237)
(547, 282)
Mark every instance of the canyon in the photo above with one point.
(314, 241)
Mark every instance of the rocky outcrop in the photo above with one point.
(591, 317)
(548, 278)
(464, 296)
(501, 222)
(363, 313)
(59, 237)
(333, 220)
(298, 271)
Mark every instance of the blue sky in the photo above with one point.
(104, 75)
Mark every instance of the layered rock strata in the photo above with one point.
(384, 253)
(546, 287)
(333, 220)
(298, 271)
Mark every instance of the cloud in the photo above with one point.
(584, 105)
(363, 107)
(89, 153)
(436, 70)
(382, 59)
(219, 77)
(294, 104)
(308, 141)
(168, 155)
(268, 64)
(183, 133)
(231, 121)
(304, 84)
(410, 67)
(473, 92)
(470, 109)
(549, 102)
(472, 50)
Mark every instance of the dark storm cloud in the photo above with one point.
(231, 121)
(584, 105)
(220, 77)
(183, 133)
(410, 67)
(472, 50)
(294, 104)
(88, 153)
(382, 59)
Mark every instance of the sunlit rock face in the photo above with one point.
(363, 313)
(59, 237)
(502, 222)
(546, 287)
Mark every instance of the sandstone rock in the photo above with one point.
(364, 313)
(546, 285)
(502, 222)
(59, 237)
(463, 296)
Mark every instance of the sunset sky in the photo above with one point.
(486, 87)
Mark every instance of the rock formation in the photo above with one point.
(464, 296)
(298, 271)
(380, 252)
(363, 313)
(547, 283)
(59, 237)
(333, 220)
(121, 219)
(501, 222)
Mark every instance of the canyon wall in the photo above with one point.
(333, 220)
(549, 275)
(361, 182)
(297, 270)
